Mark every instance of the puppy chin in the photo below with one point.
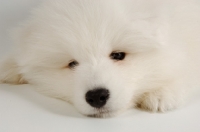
(104, 113)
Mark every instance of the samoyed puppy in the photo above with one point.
(105, 56)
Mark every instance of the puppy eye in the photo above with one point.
(117, 55)
(72, 64)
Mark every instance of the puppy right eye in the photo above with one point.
(72, 64)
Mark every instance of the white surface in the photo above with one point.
(23, 110)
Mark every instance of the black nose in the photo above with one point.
(97, 98)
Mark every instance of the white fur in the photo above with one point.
(161, 39)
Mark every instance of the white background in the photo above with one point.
(24, 110)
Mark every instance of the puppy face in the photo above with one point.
(96, 61)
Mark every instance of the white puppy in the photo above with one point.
(105, 56)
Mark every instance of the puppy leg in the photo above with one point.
(9, 72)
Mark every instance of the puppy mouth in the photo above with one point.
(100, 113)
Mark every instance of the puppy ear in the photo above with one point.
(9, 72)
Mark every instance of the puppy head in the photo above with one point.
(95, 60)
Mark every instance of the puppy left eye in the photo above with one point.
(117, 55)
(72, 64)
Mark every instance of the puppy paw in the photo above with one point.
(9, 72)
(158, 101)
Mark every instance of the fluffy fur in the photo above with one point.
(161, 39)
